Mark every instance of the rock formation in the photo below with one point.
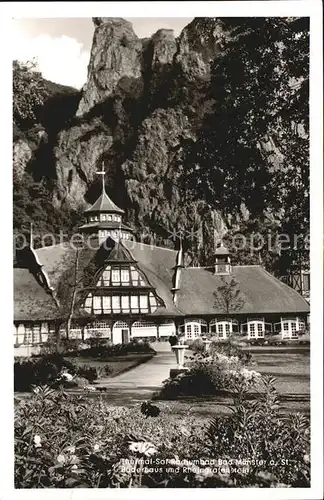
(142, 99)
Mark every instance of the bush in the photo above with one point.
(88, 372)
(106, 349)
(229, 348)
(211, 373)
(52, 370)
(66, 441)
(197, 346)
(44, 370)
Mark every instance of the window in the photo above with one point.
(144, 303)
(28, 335)
(121, 324)
(115, 277)
(134, 303)
(144, 329)
(153, 302)
(189, 332)
(125, 303)
(118, 276)
(252, 330)
(103, 217)
(115, 303)
(88, 303)
(223, 328)
(106, 277)
(255, 328)
(36, 333)
(196, 327)
(97, 309)
(125, 276)
(106, 305)
(32, 333)
(289, 328)
(135, 276)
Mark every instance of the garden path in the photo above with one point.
(139, 383)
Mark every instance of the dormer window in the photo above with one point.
(222, 265)
(222, 260)
(120, 276)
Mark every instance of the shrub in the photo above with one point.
(229, 348)
(43, 370)
(53, 370)
(209, 374)
(88, 372)
(197, 346)
(66, 441)
(110, 350)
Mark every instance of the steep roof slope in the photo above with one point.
(261, 292)
(31, 302)
(104, 204)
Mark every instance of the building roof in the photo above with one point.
(260, 291)
(31, 302)
(106, 225)
(221, 250)
(104, 204)
(156, 264)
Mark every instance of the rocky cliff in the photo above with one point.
(143, 99)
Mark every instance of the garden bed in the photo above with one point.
(117, 365)
(69, 441)
(58, 371)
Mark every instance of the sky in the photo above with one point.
(62, 46)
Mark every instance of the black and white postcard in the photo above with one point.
(164, 280)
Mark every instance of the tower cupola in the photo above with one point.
(222, 260)
(104, 218)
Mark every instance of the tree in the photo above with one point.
(71, 289)
(228, 297)
(29, 92)
(75, 286)
(253, 148)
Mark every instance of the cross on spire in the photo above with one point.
(102, 172)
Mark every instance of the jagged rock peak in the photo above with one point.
(164, 46)
(198, 43)
(163, 33)
(117, 21)
(116, 54)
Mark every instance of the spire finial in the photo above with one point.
(102, 173)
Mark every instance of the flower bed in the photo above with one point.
(64, 441)
(212, 373)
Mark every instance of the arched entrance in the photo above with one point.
(120, 333)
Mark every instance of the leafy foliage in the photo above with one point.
(50, 370)
(228, 297)
(211, 373)
(253, 149)
(29, 92)
(64, 441)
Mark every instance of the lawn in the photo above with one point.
(291, 368)
(118, 364)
